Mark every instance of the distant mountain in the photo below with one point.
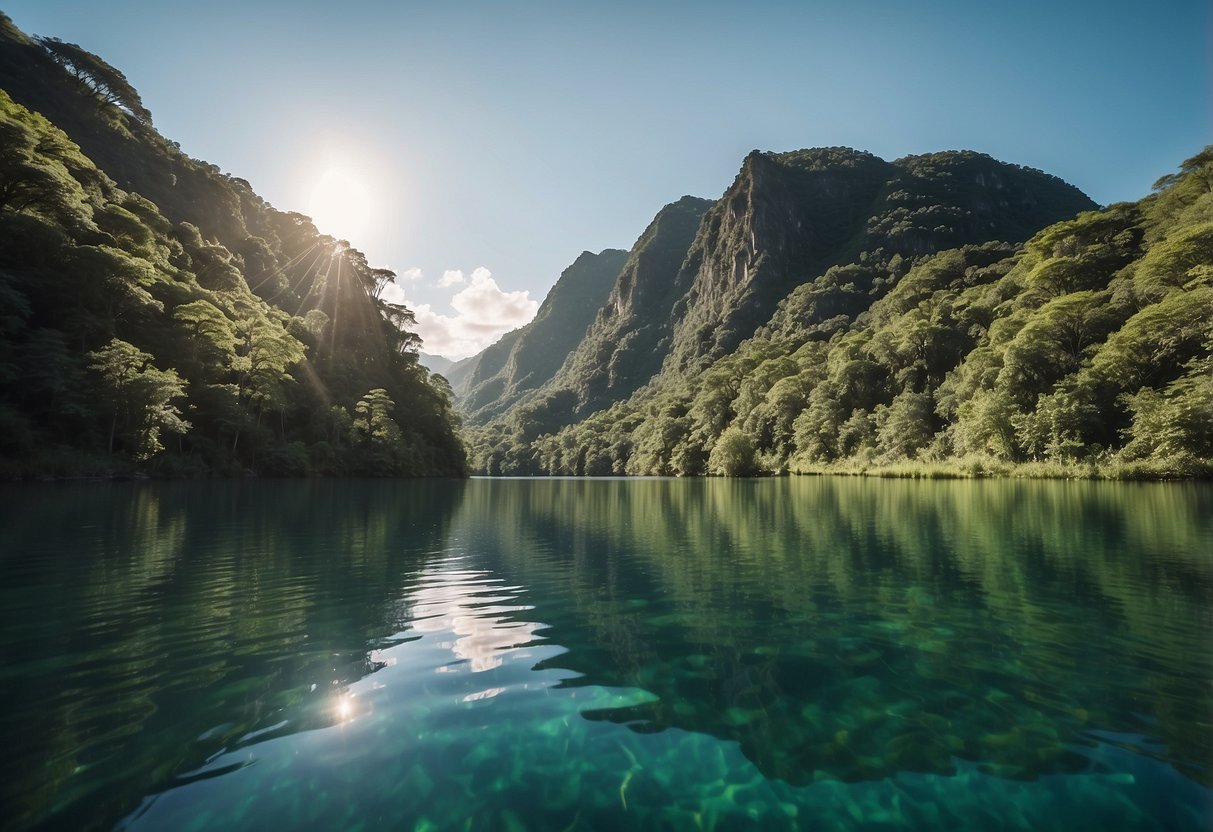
(630, 334)
(458, 374)
(527, 358)
(434, 363)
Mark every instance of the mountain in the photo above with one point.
(839, 312)
(631, 330)
(528, 357)
(458, 374)
(434, 363)
(706, 275)
(789, 217)
(159, 316)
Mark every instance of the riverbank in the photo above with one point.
(978, 467)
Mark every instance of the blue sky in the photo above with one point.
(493, 142)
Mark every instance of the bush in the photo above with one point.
(733, 455)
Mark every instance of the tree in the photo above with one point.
(376, 431)
(401, 320)
(1175, 421)
(139, 397)
(96, 77)
(1169, 264)
(1063, 423)
(30, 179)
(212, 334)
(1155, 343)
(906, 426)
(1054, 342)
(733, 455)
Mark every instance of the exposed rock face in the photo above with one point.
(824, 231)
(630, 336)
(528, 357)
(788, 217)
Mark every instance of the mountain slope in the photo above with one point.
(1086, 351)
(790, 216)
(528, 357)
(196, 332)
(835, 225)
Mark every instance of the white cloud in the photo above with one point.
(391, 292)
(483, 302)
(485, 313)
(450, 277)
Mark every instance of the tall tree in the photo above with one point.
(96, 76)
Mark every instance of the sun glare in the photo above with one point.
(340, 204)
(343, 708)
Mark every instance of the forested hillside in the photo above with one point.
(157, 315)
(941, 345)
(526, 358)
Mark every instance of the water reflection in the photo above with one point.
(472, 607)
(464, 642)
(853, 629)
(191, 617)
(640, 654)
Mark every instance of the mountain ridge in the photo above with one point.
(978, 315)
(725, 265)
(526, 358)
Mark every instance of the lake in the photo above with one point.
(806, 653)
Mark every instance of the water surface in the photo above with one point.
(606, 654)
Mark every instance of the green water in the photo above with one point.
(813, 653)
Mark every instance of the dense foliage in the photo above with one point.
(203, 332)
(1089, 348)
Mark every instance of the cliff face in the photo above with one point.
(789, 217)
(779, 222)
(811, 237)
(631, 333)
(528, 357)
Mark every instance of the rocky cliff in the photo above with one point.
(527, 358)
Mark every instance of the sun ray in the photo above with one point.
(303, 277)
(285, 266)
(336, 310)
(315, 284)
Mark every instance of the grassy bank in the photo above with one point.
(975, 467)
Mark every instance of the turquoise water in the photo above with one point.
(812, 653)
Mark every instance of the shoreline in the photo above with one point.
(1165, 470)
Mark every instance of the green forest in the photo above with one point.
(157, 316)
(939, 315)
(1085, 351)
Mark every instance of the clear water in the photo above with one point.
(813, 653)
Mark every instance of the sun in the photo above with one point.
(340, 205)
